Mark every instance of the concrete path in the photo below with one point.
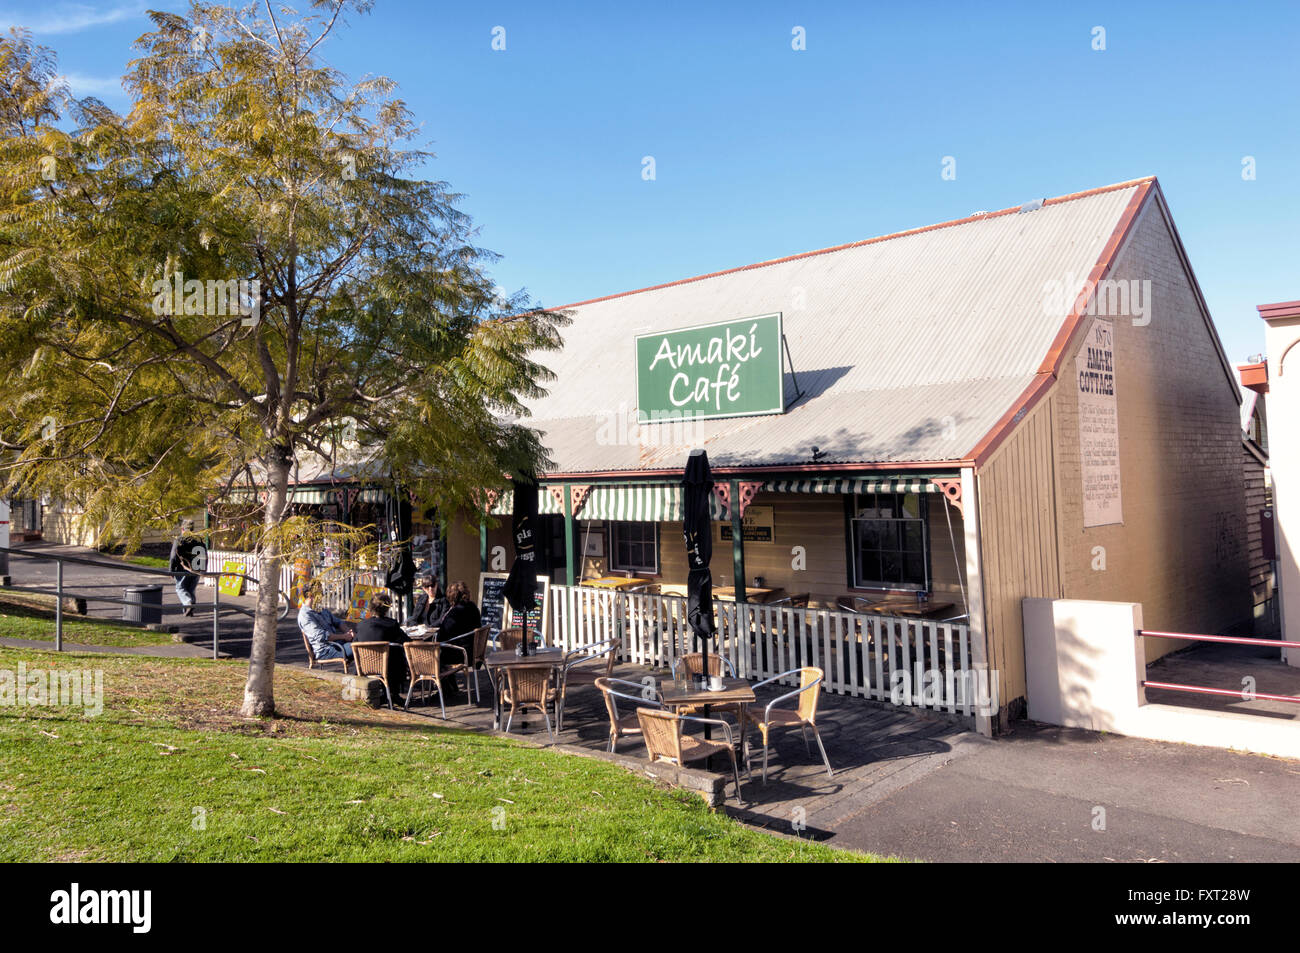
(175, 650)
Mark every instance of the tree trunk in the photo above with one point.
(259, 691)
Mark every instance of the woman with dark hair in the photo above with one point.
(378, 627)
(462, 615)
(456, 626)
(430, 605)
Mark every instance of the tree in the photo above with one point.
(195, 293)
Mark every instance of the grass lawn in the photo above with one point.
(27, 616)
(168, 771)
(153, 562)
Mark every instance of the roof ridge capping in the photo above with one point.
(976, 217)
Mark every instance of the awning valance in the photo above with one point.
(896, 484)
(634, 503)
(297, 494)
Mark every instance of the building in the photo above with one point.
(1281, 335)
(1030, 402)
(1259, 495)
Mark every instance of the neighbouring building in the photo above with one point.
(1260, 540)
(1281, 336)
(1030, 402)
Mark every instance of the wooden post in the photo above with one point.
(568, 536)
(985, 719)
(737, 543)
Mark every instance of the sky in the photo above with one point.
(762, 150)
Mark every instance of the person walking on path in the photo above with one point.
(189, 557)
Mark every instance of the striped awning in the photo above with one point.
(846, 485)
(645, 503)
(297, 494)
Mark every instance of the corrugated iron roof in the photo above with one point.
(908, 347)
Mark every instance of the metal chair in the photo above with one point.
(693, 663)
(313, 661)
(664, 740)
(570, 674)
(424, 660)
(508, 639)
(372, 661)
(803, 717)
(529, 686)
(620, 725)
(476, 655)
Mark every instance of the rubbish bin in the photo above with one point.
(143, 604)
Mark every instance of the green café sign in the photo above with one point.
(729, 369)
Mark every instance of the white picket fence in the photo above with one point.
(918, 662)
(337, 592)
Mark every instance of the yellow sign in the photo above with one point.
(231, 585)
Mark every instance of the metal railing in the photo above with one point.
(60, 592)
(1205, 689)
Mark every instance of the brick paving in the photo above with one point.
(874, 748)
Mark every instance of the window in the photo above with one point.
(634, 546)
(890, 546)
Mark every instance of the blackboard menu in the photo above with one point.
(492, 604)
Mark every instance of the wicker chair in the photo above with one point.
(529, 686)
(313, 661)
(476, 644)
(424, 660)
(629, 724)
(508, 639)
(664, 740)
(803, 717)
(372, 660)
(570, 674)
(691, 664)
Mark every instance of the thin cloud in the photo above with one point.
(69, 18)
(100, 86)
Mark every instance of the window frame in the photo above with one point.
(615, 529)
(853, 505)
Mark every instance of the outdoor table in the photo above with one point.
(614, 582)
(503, 659)
(752, 593)
(682, 691)
(909, 607)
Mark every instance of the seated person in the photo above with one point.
(461, 617)
(319, 624)
(430, 605)
(379, 627)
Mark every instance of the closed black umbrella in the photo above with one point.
(697, 487)
(520, 589)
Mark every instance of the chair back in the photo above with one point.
(311, 652)
(478, 650)
(422, 658)
(509, 639)
(371, 658)
(609, 688)
(693, 663)
(809, 675)
(528, 684)
(662, 731)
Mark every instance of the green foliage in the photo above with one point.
(244, 158)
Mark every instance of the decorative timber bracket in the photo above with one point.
(748, 491)
(952, 490)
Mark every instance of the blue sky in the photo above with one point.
(762, 151)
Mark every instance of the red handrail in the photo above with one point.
(1233, 639)
(1239, 693)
